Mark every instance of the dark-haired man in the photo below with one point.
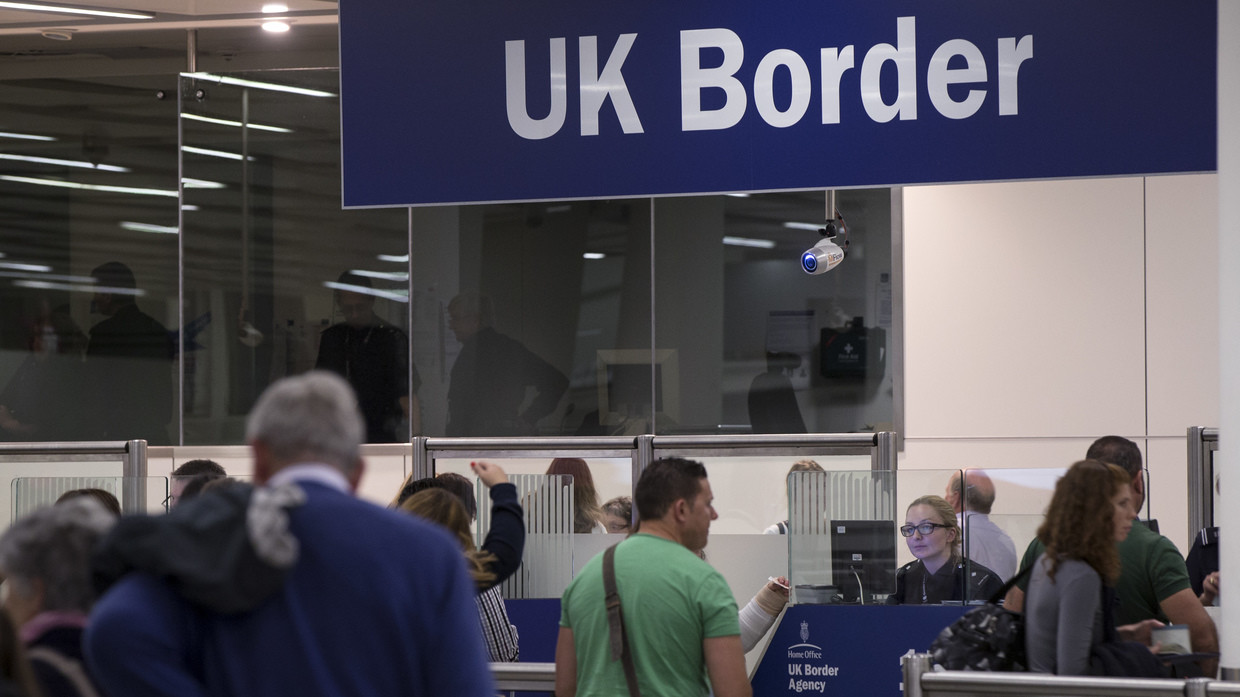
(374, 357)
(1153, 581)
(679, 615)
(129, 362)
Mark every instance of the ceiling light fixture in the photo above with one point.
(46, 276)
(191, 183)
(748, 242)
(24, 136)
(238, 82)
(149, 227)
(71, 10)
(236, 124)
(593, 255)
(400, 296)
(213, 153)
(89, 187)
(381, 275)
(274, 8)
(14, 266)
(815, 227)
(276, 26)
(64, 163)
(81, 288)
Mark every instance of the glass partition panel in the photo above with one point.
(129, 494)
(182, 488)
(842, 539)
(986, 546)
(757, 344)
(603, 479)
(278, 278)
(88, 259)
(547, 560)
(534, 319)
(14, 467)
(751, 490)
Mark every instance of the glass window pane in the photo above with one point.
(758, 345)
(278, 278)
(88, 260)
(526, 315)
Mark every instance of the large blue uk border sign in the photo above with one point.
(451, 101)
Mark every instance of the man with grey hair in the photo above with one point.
(45, 559)
(984, 542)
(377, 603)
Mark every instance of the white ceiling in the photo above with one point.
(225, 31)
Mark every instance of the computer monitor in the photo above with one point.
(628, 392)
(863, 559)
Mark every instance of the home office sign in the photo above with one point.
(474, 101)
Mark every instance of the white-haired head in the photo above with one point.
(312, 417)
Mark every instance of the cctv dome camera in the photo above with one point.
(822, 257)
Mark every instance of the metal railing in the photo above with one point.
(131, 453)
(921, 680)
(524, 677)
(1202, 443)
(642, 450)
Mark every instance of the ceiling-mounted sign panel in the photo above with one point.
(480, 101)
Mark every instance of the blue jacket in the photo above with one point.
(378, 604)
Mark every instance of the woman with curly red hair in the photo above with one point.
(1090, 512)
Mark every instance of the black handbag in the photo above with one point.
(1117, 658)
(988, 637)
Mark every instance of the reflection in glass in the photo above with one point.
(88, 355)
(764, 347)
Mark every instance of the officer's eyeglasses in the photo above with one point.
(924, 528)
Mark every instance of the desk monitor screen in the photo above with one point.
(637, 385)
(863, 559)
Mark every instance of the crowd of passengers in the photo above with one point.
(293, 586)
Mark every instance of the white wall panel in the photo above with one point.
(1024, 309)
(1182, 302)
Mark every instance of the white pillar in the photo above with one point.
(1228, 456)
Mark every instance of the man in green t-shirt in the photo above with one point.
(1153, 581)
(679, 614)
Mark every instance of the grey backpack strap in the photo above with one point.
(617, 636)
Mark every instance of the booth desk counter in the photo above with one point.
(846, 650)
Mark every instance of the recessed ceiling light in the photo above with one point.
(238, 82)
(400, 296)
(24, 136)
(149, 227)
(236, 124)
(71, 10)
(38, 181)
(276, 27)
(214, 153)
(748, 242)
(274, 8)
(794, 225)
(62, 163)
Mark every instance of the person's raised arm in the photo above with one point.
(506, 537)
(1184, 607)
(565, 664)
(725, 665)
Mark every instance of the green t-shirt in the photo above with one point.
(671, 600)
(1151, 570)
